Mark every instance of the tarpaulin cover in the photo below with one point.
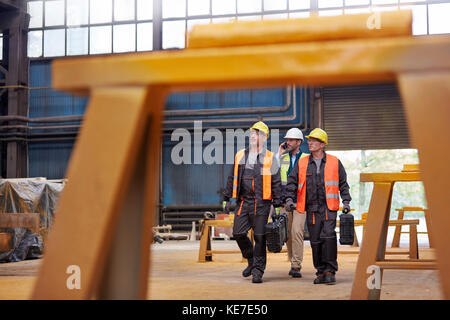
(33, 195)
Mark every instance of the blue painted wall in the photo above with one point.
(50, 159)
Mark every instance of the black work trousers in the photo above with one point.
(251, 214)
(322, 236)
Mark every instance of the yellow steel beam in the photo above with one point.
(411, 209)
(416, 265)
(410, 167)
(390, 177)
(371, 25)
(315, 63)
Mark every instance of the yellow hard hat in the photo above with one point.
(261, 126)
(319, 134)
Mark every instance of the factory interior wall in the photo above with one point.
(180, 182)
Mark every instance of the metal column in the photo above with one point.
(14, 25)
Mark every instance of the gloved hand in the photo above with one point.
(290, 205)
(226, 206)
(346, 208)
(277, 211)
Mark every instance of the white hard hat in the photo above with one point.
(294, 133)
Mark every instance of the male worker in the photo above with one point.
(317, 181)
(255, 183)
(289, 152)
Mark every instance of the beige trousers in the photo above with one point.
(296, 222)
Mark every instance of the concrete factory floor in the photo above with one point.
(176, 274)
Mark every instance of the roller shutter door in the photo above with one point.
(365, 117)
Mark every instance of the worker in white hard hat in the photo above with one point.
(288, 154)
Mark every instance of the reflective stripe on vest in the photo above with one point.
(237, 160)
(266, 171)
(267, 176)
(284, 167)
(301, 191)
(331, 177)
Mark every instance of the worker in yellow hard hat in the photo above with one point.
(255, 183)
(315, 184)
(261, 126)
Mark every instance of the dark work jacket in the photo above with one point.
(276, 181)
(315, 186)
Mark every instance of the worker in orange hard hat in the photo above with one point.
(255, 183)
(316, 183)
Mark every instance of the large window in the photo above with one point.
(179, 16)
(82, 27)
(429, 17)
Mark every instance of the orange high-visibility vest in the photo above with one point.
(267, 174)
(331, 177)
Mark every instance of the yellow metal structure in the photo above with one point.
(398, 229)
(316, 28)
(108, 235)
(373, 250)
(410, 168)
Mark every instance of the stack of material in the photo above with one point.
(33, 195)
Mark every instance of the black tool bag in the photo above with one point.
(277, 232)
(346, 229)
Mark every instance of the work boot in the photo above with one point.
(257, 278)
(248, 271)
(320, 279)
(329, 278)
(295, 273)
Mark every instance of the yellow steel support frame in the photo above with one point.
(398, 229)
(104, 216)
(374, 238)
(205, 251)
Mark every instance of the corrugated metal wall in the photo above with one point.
(190, 184)
(48, 102)
(50, 159)
(201, 184)
(365, 117)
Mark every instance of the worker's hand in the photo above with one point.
(346, 208)
(282, 150)
(290, 205)
(277, 211)
(226, 206)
